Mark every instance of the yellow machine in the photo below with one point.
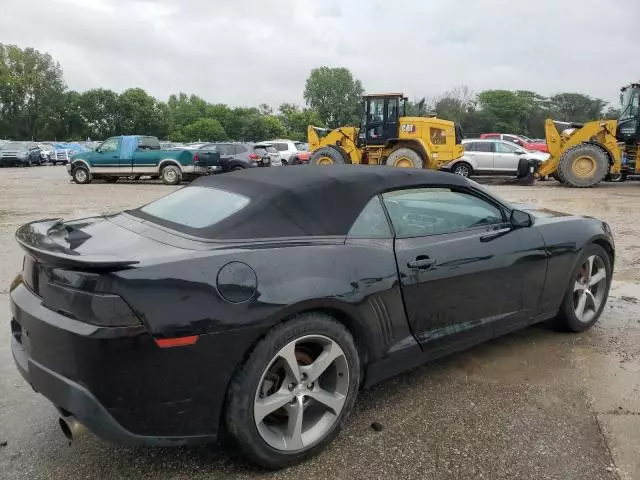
(387, 137)
(582, 155)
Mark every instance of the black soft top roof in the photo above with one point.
(307, 200)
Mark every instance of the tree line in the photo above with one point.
(35, 103)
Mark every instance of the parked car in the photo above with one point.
(242, 303)
(241, 155)
(135, 156)
(521, 140)
(46, 151)
(63, 151)
(287, 149)
(23, 154)
(491, 157)
(300, 158)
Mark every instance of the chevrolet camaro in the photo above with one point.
(254, 306)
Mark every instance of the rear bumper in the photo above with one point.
(111, 379)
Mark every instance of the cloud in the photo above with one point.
(245, 52)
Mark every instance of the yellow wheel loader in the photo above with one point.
(582, 155)
(387, 137)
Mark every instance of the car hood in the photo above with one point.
(542, 213)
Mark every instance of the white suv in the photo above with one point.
(496, 157)
(286, 148)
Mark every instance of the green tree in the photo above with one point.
(206, 130)
(141, 114)
(31, 84)
(576, 107)
(296, 120)
(101, 112)
(335, 95)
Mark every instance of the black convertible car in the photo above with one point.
(256, 304)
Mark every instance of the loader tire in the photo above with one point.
(405, 158)
(327, 156)
(583, 166)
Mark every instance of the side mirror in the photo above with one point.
(520, 152)
(520, 219)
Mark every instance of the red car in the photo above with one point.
(521, 140)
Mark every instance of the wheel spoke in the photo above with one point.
(333, 401)
(588, 269)
(590, 300)
(268, 405)
(582, 301)
(578, 286)
(326, 358)
(598, 277)
(288, 354)
(293, 438)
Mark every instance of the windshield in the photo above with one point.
(629, 102)
(194, 207)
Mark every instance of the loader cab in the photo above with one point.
(381, 118)
(629, 122)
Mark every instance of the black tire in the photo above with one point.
(239, 414)
(171, 175)
(110, 179)
(462, 169)
(596, 160)
(237, 168)
(616, 177)
(566, 319)
(404, 158)
(81, 175)
(327, 156)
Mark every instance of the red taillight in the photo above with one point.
(196, 158)
(176, 342)
(304, 155)
(254, 156)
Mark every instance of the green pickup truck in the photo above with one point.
(136, 156)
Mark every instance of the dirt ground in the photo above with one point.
(536, 404)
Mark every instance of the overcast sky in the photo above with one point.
(244, 52)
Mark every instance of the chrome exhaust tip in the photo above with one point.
(71, 428)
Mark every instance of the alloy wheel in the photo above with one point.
(461, 170)
(301, 393)
(590, 288)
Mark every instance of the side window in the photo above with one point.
(392, 110)
(148, 143)
(281, 147)
(492, 135)
(433, 211)
(372, 222)
(502, 147)
(240, 149)
(511, 138)
(225, 149)
(486, 147)
(438, 136)
(470, 146)
(109, 145)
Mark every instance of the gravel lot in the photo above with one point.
(536, 404)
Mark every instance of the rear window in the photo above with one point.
(281, 147)
(271, 150)
(195, 207)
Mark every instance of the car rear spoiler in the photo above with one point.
(36, 240)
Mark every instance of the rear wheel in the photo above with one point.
(405, 158)
(237, 168)
(583, 166)
(171, 175)
(81, 175)
(587, 291)
(327, 156)
(463, 169)
(294, 392)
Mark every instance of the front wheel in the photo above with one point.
(327, 156)
(587, 291)
(81, 175)
(295, 391)
(463, 169)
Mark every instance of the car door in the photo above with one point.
(465, 273)
(505, 158)
(106, 157)
(482, 154)
(144, 158)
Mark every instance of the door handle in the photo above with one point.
(422, 262)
